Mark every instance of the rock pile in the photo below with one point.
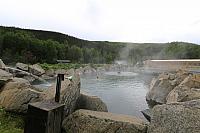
(162, 85)
(179, 95)
(16, 93)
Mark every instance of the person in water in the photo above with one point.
(97, 76)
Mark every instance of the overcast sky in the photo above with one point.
(112, 20)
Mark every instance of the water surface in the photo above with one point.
(123, 92)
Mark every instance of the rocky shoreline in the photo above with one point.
(175, 97)
(16, 92)
(176, 103)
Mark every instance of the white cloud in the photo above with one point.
(116, 20)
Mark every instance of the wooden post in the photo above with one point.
(60, 77)
(44, 117)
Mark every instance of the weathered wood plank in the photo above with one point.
(44, 117)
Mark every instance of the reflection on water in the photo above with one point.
(122, 92)
(44, 85)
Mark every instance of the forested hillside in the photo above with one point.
(31, 46)
(172, 50)
(36, 46)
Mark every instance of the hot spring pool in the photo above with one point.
(123, 92)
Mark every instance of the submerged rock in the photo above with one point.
(91, 103)
(85, 121)
(181, 117)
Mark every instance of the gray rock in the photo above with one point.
(23, 74)
(71, 72)
(86, 121)
(176, 118)
(2, 65)
(188, 90)
(159, 90)
(36, 70)
(147, 114)
(22, 66)
(4, 76)
(91, 103)
(162, 85)
(88, 69)
(60, 71)
(50, 73)
(16, 94)
(70, 92)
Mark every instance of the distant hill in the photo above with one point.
(31, 46)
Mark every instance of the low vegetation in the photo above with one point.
(46, 66)
(10, 123)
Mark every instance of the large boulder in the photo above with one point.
(2, 65)
(61, 71)
(176, 118)
(16, 94)
(70, 92)
(22, 66)
(86, 121)
(36, 70)
(162, 85)
(26, 75)
(50, 72)
(159, 89)
(88, 69)
(188, 90)
(4, 75)
(91, 103)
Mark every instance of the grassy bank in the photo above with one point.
(60, 66)
(10, 123)
(46, 66)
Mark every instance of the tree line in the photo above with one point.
(31, 46)
(36, 46)
(172, 50)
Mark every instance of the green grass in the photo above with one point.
(46, 66)
(60, 66)
(10, 123)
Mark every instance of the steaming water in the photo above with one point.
(123, 93)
